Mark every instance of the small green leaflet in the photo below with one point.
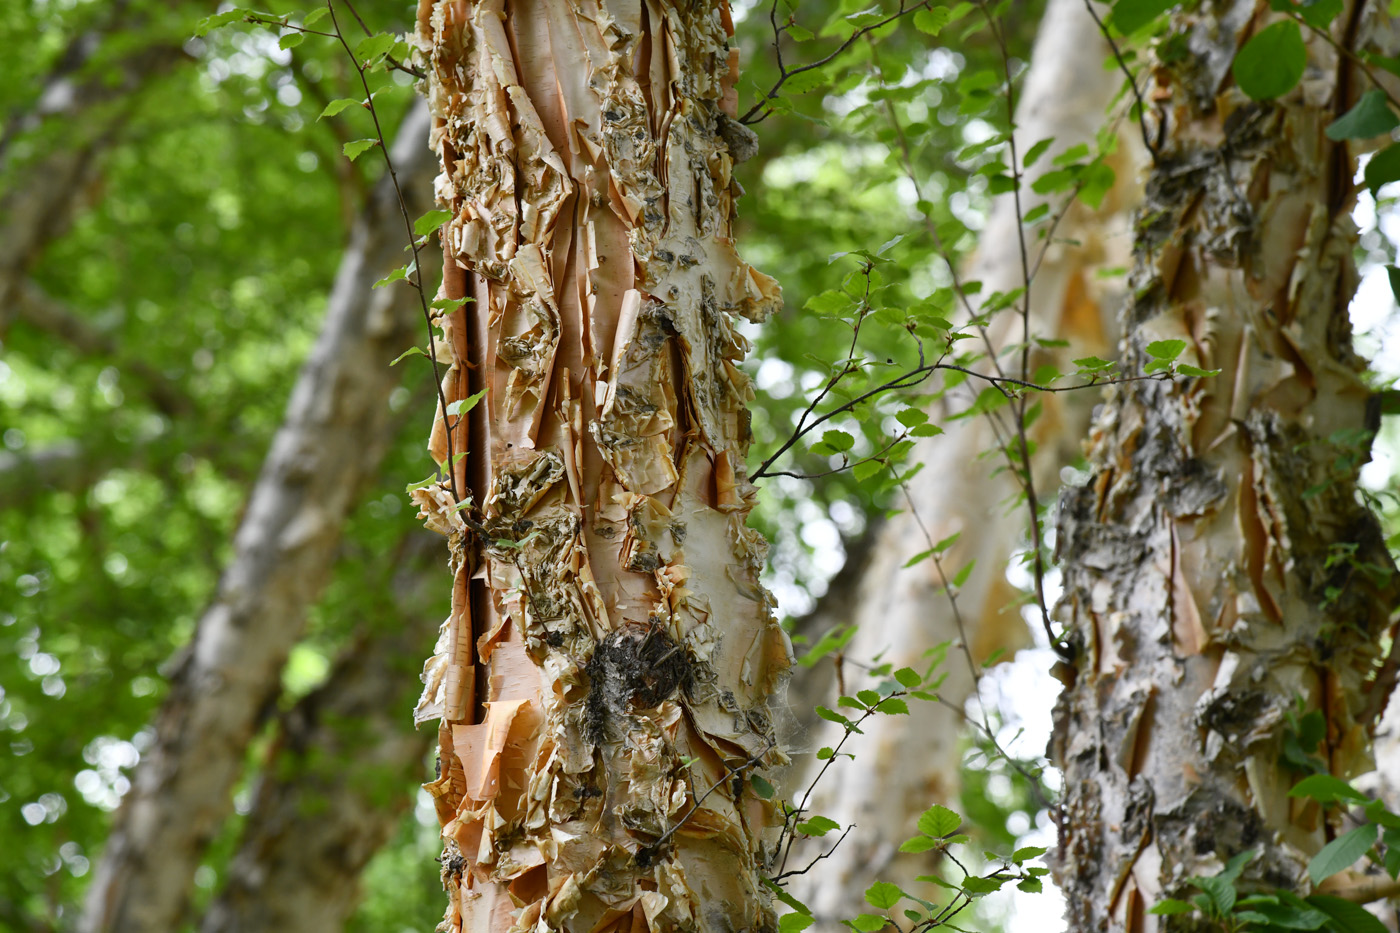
(817, 826)
(430, 221)
(315, 16)
(358, 147)
(1326, 789)
(464, 405)
(1370, 117)
(402, 272)
(938, 821)
(374, 46)
(794, 923)
(932, 20)
(1383, 168)
(761, 787)
(411, 351)
(1271, 63)
(337, 105)
(210, 23)
(1131, 15)
(1171, 906)
(1165, 349)
(291, 40)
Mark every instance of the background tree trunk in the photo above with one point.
(331, 441)
(605, 678)
(905, 763)
(1210, 580)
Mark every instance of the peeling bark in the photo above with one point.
(906, 763)
(330, 442)
(1207, 582)
(335, 785)
(611, 656)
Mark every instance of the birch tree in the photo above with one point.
(1225, 591)
(605, 678)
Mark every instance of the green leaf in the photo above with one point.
(932, 20)
(1129, 16)
(463, 405)
(761, 787)
(828, 302)
(781, 894)
(1383, 168)
(919, 844)
(838, 440)
(411, 351)
(371, 47)
(1032, 155)
(1370, 117)
(337, 105)
(908, 677)
(882, 895)
(893, 706)
(799, 33)
(1195, 371)
(449, 304)
(865, 469)
(315, 16)
(430, 221)
(1027, 852)
(978, 887)
(1341, 852)
(1165, 349)
(1093, 364)
(866, 923)
(817, 826)
(291, 40)
(210, 23)
(1284, 910)
(794, 923)
(1348, 917)
(1272, 62)
(358, 147)
(1170, 906)
(1326, 789)
(961, 576)
(1393, 273)
(400, 273)
(938, 821)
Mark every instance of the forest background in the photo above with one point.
(175, 216)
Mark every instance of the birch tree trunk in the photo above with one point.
(1218, 567)
(605, 679)
(904, 764)
(332, 440)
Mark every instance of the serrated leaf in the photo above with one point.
(882, 895)
(337, 105)
(865, 469)
(938, 820)
(1341, 853)
(866, 923)
(838, 440)
(358, 147)
(828, 302)
(430, 221)
(908, 677)
(893, 706)
(1370, 117)
(1027, 852)
(1272, 62)
(979, 887)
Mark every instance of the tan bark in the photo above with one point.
(1201, 557)
(331, 441)
(611, 656)
(336, 783)
(905, 764)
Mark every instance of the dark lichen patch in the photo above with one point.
(634, 668)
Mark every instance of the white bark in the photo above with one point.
(329, 443)
(905, 764)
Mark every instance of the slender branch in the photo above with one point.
(1132, 81)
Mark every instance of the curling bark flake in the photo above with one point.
(610, 656)
(1218, 568)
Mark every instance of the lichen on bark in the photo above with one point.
(1220, 572)
(611, 655)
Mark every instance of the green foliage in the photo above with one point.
(1272, 62)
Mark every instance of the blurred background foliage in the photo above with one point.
(156, 318)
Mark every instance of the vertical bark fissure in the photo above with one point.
(1207, 583)
(610, 653)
